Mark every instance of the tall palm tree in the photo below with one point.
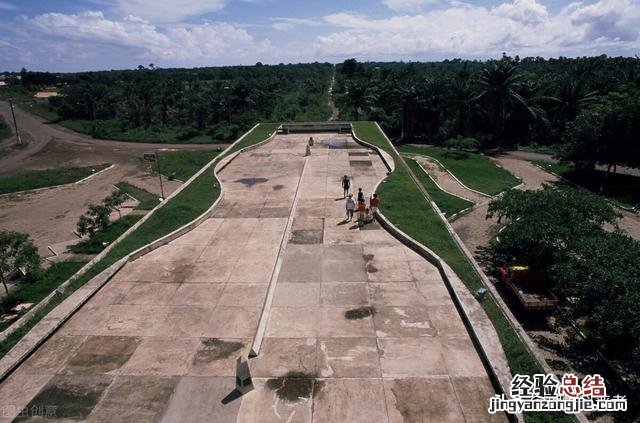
(501, 84)
(572, 97)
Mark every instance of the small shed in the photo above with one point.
(42, 97)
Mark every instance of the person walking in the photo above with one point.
(351, 207)
(374, 203)
(362, 210)
(346, 184)
(360, 195)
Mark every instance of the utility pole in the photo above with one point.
(159, 175)
(15, 124)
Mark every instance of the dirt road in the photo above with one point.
(49, 216)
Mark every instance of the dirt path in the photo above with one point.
(475, 230)
(335, 113)
(49, 216)
(365, 325)
(448, 182)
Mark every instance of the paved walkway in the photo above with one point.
(363, 327)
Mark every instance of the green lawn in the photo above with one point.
(33, 292)
(184, 164)
(474, 170)
(102, 239)
(33, 179)
(619, 188)
(187, 205)
(447, 203)
(148, 200)
(403, 204)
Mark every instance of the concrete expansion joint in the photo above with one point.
(266, 306)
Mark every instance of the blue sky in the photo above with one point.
(77, 35)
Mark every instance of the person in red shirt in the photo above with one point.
(374, 203)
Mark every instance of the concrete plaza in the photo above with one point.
(359, 327)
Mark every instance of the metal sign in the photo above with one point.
(149, 157)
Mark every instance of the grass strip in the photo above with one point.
(474, 170)
(188, 204)
(448, 204)
(147, 200)
(35, 291)
(403, 204)
(33, 179)
(184, 164)
(102, 239)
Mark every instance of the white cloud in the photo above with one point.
(83, 39)
(167, 10)
(522, 27)
(408, 5)
(525, 11)
(285, 24)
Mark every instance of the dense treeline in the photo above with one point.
(204, 104)
(587, 105)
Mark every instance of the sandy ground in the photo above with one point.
(49, 216)
(365, 324)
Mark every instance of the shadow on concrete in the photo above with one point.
(232, 396)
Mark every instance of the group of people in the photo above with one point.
(365, 214)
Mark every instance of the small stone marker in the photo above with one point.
(244, 383)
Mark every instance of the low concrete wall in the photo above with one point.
(56, 318)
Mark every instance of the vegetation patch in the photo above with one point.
(474, 170)
(182, 164)
(294, 386)
(620, 188)
(360, 313)
(147, 200)
(5, 131)
(35, 288)
(447, 203)
(102, 239)
(33, 179)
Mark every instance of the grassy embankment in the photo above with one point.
(148, 200)
(182, 164)
(448, 204)
(403, 203)
(33, 179)
(474, 170)
(33, 292)
(187, 205)
(621, 189)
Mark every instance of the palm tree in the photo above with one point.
(572, 97)
(501, 85)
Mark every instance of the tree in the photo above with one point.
(501, 84)
(115, 200)
(16, 252)
(95, 219)
(544, 225)
(606, 132)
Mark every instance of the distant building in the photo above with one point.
(42, 97)
(3, 84)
